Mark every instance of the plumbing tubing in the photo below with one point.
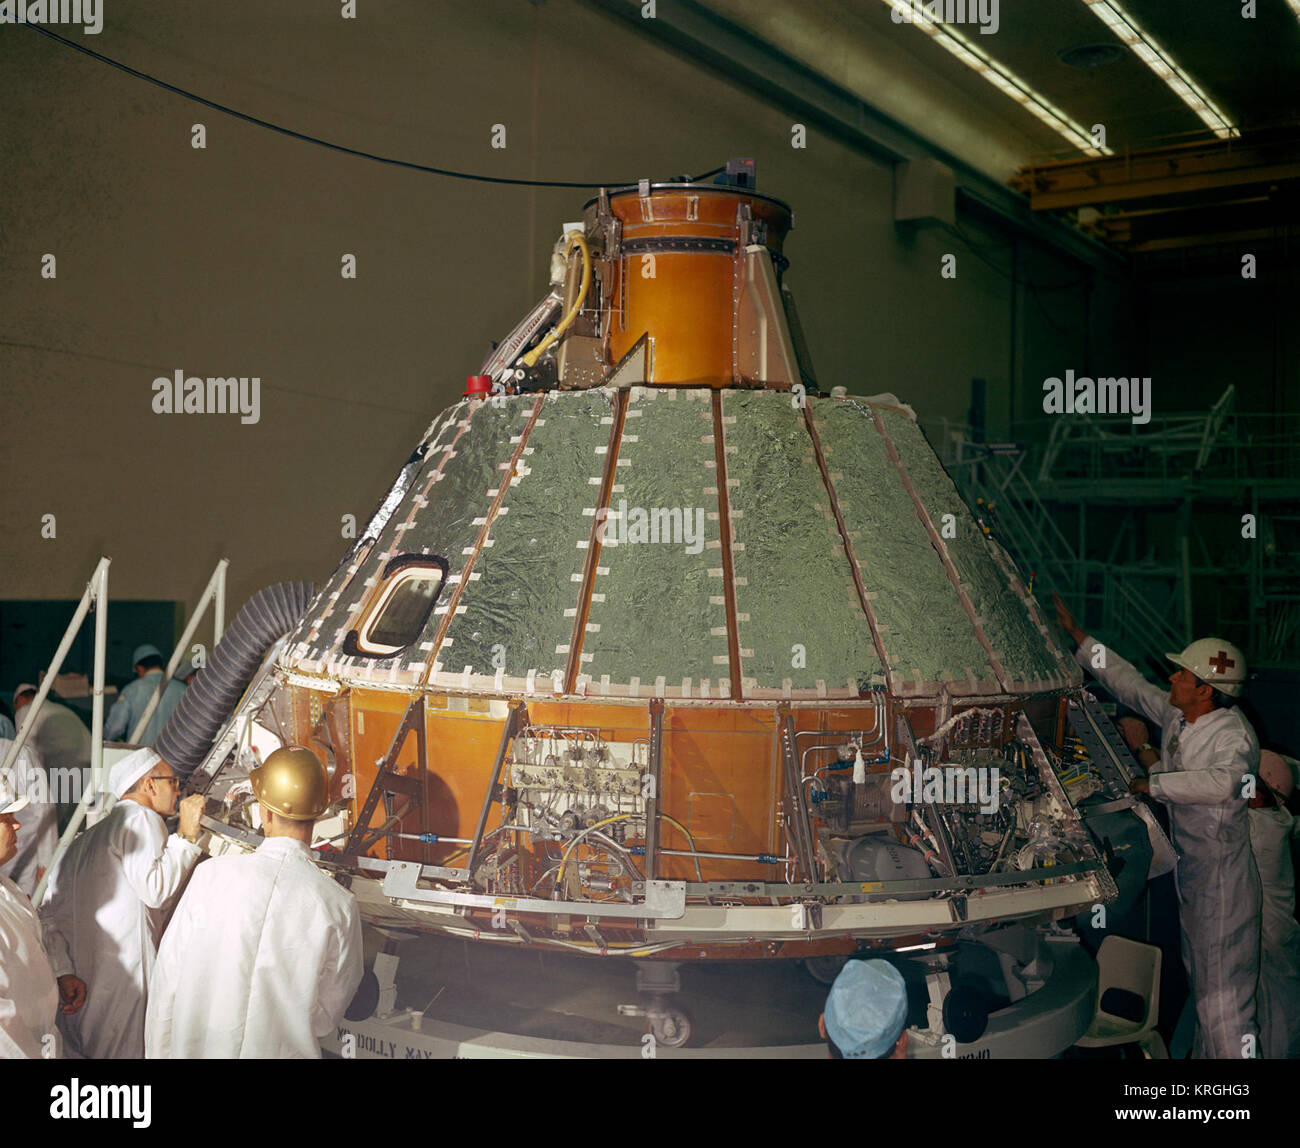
(193, 726)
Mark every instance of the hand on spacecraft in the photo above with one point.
(72, 994)
(1066, 620)
(1140, 785)
(191, 809)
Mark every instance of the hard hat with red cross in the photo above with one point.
(1216, 662)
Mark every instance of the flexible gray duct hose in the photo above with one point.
(266, 617)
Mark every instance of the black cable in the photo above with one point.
(350, 400)
(261, 123)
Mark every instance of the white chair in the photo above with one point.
(1135, 967)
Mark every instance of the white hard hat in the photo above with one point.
(1216, 662)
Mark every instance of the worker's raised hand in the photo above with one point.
(1066, 620)
(191, 811)
(72, 994)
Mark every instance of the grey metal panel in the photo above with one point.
(794, 585)
(927, 636)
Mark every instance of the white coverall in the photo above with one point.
(1199, 777)
(29, 995)
(104, 912)
(62, 741)
(131, 704)
(1279, 941)
(260, 960)
(38, 823)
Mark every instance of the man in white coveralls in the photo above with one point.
(1207, 752)
(29, 997)
(264, 952)
(107, 902)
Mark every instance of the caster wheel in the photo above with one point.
(366, 999)
(825, 969)
(965, 1014)
(672, 1027)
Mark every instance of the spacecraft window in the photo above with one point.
(402, 610)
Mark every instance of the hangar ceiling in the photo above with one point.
(1217, 191)
(1250, 67)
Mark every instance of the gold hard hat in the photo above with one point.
(292, 782)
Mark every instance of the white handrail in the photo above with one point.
(96, 591)
(214, 592)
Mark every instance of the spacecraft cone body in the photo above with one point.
(650, 645)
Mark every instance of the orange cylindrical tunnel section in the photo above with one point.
(679, 275)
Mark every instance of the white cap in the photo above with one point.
(866, 1010)
(23, 687)
(130, 769)
(139, 654)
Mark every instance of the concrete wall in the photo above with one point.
(225, 261)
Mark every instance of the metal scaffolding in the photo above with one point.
(1156, 532)
(95, 598)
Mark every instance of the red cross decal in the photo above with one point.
(1220, 662)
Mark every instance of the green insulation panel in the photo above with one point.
(800, 623)
(517, 611)
(658, 622)
(1019, 645)
(927, 635)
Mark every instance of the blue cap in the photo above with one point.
(866, 1009)
(145, 651)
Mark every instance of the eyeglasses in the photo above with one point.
(165, 777)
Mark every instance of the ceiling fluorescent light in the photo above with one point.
(1158, 60)
(1007, 82)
